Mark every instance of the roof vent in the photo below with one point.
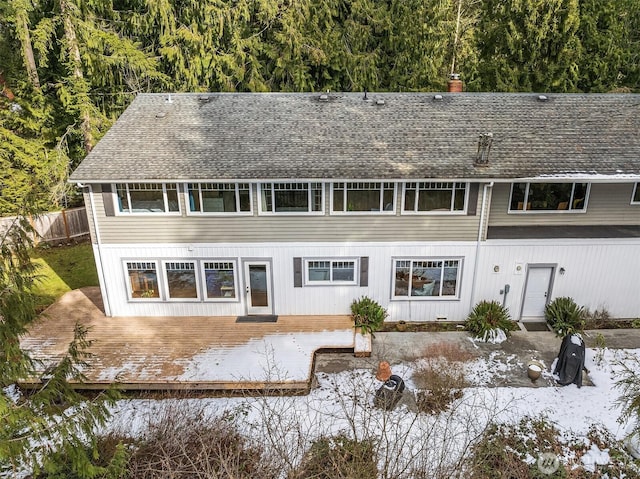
(380, 101)
(437, 97)
(543, 98)
(484, 147)
(161, 114)
(169, 99)
(204, 99)
(324, 97)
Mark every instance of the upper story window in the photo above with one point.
(548, 197)
(331, 271)
(219, 197)
(147, 198)
(291, 198)
(426, 278)
(358, 197)
(434, 197)
(635, 199)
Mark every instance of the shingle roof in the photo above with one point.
(411, 136)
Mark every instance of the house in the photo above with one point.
(225, 204)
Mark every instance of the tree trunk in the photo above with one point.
(73, 51)
(22, 27)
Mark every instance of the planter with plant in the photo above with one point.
(368, 315)
(564, 316)
(490, 321)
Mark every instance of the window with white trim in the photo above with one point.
(291, 197)
(147, 198)
(143, 279)
(428, 278)
(635, 199)
(220, 280)
(359, 197)
(182, 282)
(548, 197)
(434, 197)
(330, 271)
(219, 197)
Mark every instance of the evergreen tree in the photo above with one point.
(528, 45)
(53, 417)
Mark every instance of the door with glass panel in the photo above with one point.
(257, 277)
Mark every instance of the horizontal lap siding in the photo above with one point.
(609, 204)
(274, 228)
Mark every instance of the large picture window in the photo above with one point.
(181, 280)
(291, 198)
(143, 279)
(426, 278)
(548, 197)
(220, 280)
(635, 199)
(363, 197)
(219, 197)
(331, 271)
(434, 197)
(147, 197)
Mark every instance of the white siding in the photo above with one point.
(287, 299)
(598, 273)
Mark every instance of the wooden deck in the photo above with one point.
(204, 353)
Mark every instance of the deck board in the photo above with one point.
(159, 352)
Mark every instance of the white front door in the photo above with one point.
(257, 278)
(536, 294)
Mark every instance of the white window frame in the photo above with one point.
(223, 299)
(331, 282)
(129, 212)
(412, 260)
(381, 188)
(165, 278)
(525, 211)
(636, 191)
(127, 278)
(453, 189)
(271, 188)
(236, 190)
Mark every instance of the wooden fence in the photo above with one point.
(59, 226)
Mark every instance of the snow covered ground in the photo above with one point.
(343, 403)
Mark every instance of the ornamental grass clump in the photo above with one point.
(368, 315)
(564, 316)
(489, 321)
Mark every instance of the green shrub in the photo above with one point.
(487, 317)
(367, 314)
(564, 316)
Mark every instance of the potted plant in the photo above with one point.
(368, 317)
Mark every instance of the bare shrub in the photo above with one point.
(441, 382)
(186, 443)
(338, 457)
(596, 319)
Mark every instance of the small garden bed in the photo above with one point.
(421, 327)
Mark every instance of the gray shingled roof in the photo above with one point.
(412, 135)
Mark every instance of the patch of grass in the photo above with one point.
(62, 269)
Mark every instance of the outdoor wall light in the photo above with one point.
(496, 269)
(562, 270)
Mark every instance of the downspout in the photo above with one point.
(483, 209)
(103, 289)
